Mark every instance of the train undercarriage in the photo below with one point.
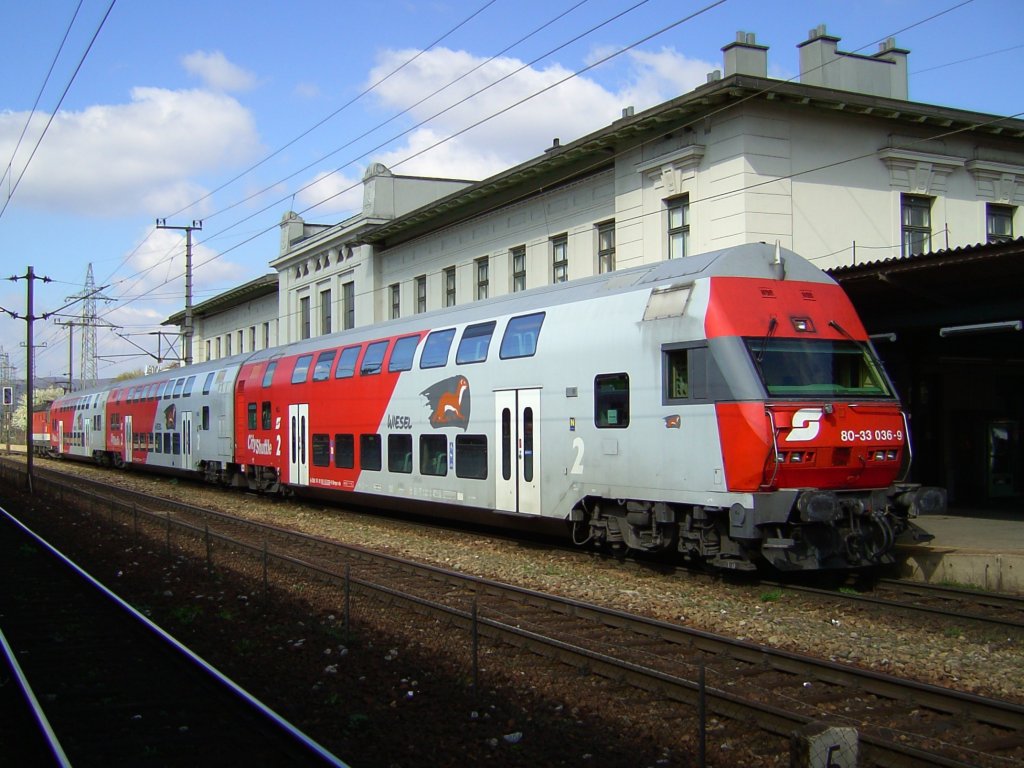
(787, 530)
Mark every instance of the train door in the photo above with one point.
(517, 472)
(298, 440)
(60, 437)
(128, 438)
(186, 439)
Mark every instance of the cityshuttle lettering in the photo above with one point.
(259, 447)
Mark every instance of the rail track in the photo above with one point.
(900, 722)
(98, 684)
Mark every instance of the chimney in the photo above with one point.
(745, 56)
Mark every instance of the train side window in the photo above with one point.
(301, 369)
(344, 451)
(208, 382)
(684, 374)
(167, 442)
(474, 343)
(400, 453)
(177, 443)
(188, 386)
(520, 337)
(675, 365)
(265, 415)
(157, 442)
(168, 388)
(369, 452)
(206, 417)
(178, 386)
(373, 359)
(434, 455)
(268, 375)
(402, 354)
(321, 450)
(611, 400)
(471, 456)
(322, 369)
(347, 363)
(252, 415)
(435, 349)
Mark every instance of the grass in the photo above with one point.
(772, 596)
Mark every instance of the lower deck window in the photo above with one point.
(471, 456)
(321, 450)
(344, 451)
(400, 453)
(369, 452)
(434, 455)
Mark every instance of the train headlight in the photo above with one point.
(818, 507)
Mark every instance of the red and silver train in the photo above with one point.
(728, 406)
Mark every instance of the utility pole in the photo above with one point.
(71, 353)
(187, 331)
(30, 277)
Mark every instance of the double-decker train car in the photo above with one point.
(727, 406)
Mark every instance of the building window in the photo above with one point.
(396, 301)
(916, 215)
(421, 293)
(998, 223)
(559, 259)
(606, 247)
(241, 342)
(325, 311)
(227, 345)
(252, 338)
(208, 350)
(449, 287)
(678, 228)
(266, 335)
(518, 268)
(303, 319)
(482, 281)
(348, 304)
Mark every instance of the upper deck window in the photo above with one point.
(402, 354)
(474, 343)
(301, 369)
(436, 347)
(520, 339)
(818, 368)
(347, 363)
(208, 382)
(268, 375)
(373, 359)
(189, 382)
(322, 371)
(178, 386)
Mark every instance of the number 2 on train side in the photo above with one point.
(577, 465)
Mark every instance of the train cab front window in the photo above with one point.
(818, 368)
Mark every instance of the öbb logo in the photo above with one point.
(806, 425)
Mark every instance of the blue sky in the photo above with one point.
(174, 103)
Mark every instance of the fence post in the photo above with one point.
(348, 596)
(266, 583)
(701, 718)
(476, 651)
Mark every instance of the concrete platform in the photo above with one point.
(971, 548)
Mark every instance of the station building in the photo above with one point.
(914, 208)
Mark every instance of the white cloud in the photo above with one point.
(332, 193)
(517, 131)
(130, 159)
(217, 73)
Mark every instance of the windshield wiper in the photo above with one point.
(772, 324)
